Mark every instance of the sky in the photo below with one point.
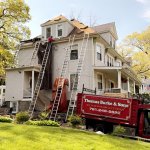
(129, 15)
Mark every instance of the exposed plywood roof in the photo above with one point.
(82, 27)
(108, 27)
(57, 19)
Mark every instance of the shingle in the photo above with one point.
(105, 28)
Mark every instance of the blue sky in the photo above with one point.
(129, 15)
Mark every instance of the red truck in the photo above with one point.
(104, 113)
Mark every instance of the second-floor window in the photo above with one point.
(99, 52)
(110, 61)
(59, 30)
(74, 52)
(48, 32)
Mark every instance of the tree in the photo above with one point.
(13, 16)
(137, 46)
(6, 60)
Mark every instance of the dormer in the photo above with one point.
(108, 32)
(57, 27)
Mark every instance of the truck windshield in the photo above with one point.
(147, 122)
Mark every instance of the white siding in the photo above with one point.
(24, 57)
(86, 75)
(14, 85)
(106, 36)
(66, 27)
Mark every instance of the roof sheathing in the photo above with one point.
(58, 19)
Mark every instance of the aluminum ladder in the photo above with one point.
(34, 55)
(72, 102)
(61, 80)
(40, 79)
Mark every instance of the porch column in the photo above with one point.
(134, 87)
(32, 83)
(128, 84)
(119, 79)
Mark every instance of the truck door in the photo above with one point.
(147, 122)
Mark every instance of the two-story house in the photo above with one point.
(103, 68)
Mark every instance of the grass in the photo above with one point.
(25, 137)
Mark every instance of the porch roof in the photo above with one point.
(114, 69)
(35, 68)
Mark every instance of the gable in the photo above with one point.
(104, 28)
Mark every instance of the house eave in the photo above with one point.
(36, 68)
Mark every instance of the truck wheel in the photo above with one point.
(100, 127)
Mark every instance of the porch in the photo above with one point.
(115, 80)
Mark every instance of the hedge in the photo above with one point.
(43, 123)
(5, 119)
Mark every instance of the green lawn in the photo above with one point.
(23, 137)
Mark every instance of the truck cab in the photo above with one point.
(144, 123)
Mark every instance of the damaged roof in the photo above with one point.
(77, 24)
(57, 19)
(82, 28)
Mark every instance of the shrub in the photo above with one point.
(119, 130)
(5, 119)
(43, 115)
(43, 123)
(22, 117)
(75, 120)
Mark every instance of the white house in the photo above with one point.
(103, 68)
(145, 88)
(2, 94)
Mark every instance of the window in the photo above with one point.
(14, 106)
(74, 52)
(59, 30)
(73, 81)
(48, 32)
(98, 52)
(110, 61)
(99, 82)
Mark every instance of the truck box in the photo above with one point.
(117, 110)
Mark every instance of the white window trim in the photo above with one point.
(102, 81)
(57, 30)
(16, 106)
(110, 58)
(46, 31)
(101, 51)
(74, 49)
(69, 80)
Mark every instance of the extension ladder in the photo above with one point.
(72, 102)
(34, 55)
(61, 81)
(40, 79)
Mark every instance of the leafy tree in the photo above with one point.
(13, 16)
(137, 46)
(6, 60)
